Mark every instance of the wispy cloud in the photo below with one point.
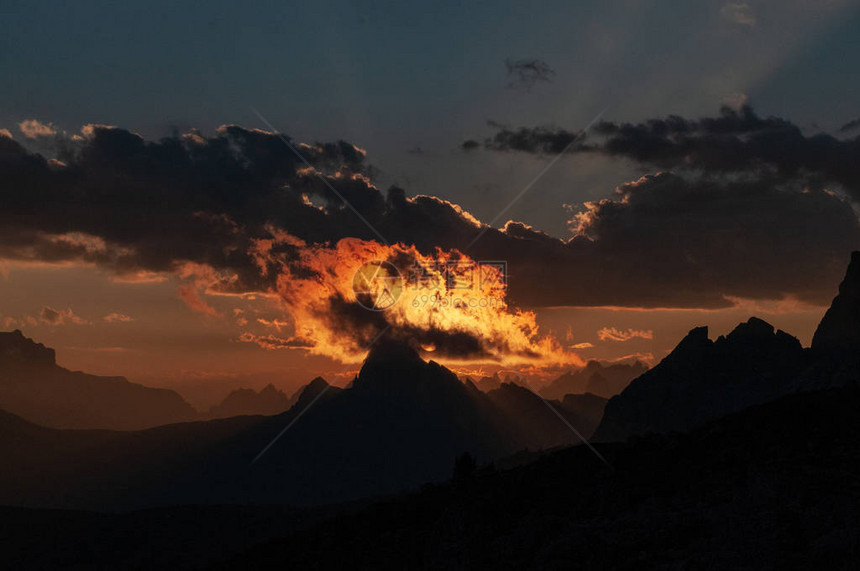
(275, 342)
(118, 318)
(190, 295)
(614, 334)
(274, 323)
(526, 73)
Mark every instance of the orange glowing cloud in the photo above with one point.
(33, 129)
(343, 296)
(276, 324)
(138, 277)
(189, 294)
(275, 342)
(118, 318)
(202, 278)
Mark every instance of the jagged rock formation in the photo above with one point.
(839, 330)
(703, 379)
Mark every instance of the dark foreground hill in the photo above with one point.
(772, 487)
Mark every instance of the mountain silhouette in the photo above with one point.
(34, 387)
(701, 380)
(605, 380)
(743, 444)
(308, 393)
(494, 381)
(401, 424)
(839, 329)
(267, 401)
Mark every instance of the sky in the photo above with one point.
(406, 84)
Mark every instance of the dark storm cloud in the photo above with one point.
(131, 205)
(704, 239)
(664, 240)
(356, 323)
(526, 73)
(538, 140)
(748, 202)
(736, 142)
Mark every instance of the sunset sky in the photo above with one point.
(153, 225)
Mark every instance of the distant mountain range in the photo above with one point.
(33, 386)
(401, 423)
(494, 381)
(601, 379)
(701, 380)
(267, 401)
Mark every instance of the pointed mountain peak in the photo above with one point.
(389, 358)
(840, 327)
(269, 390)
(311, 390)
(389, 351)
(394, 366)
(317, 382)
(754, 328)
